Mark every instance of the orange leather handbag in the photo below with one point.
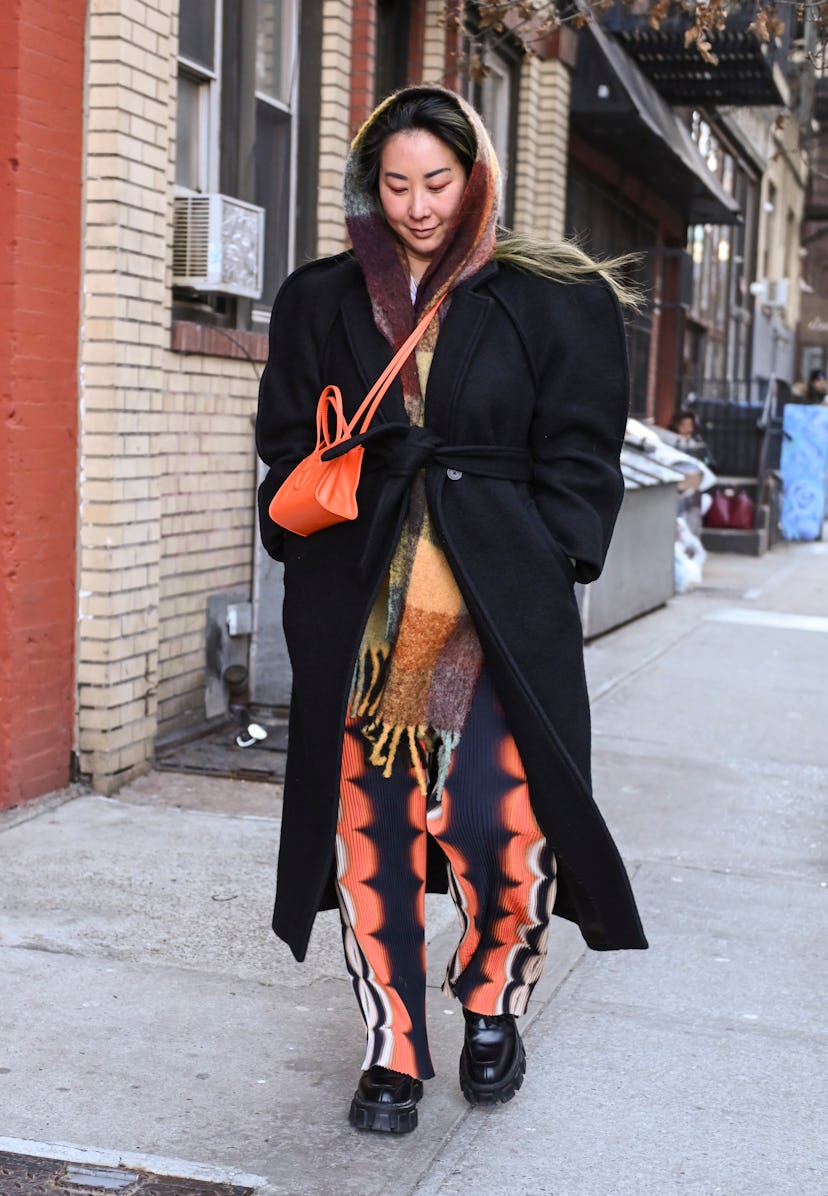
(319, 493)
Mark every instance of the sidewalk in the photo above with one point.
(146, 1010)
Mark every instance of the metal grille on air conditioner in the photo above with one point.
(218, 245)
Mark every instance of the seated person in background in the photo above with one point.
(688, 437)
(817, 389)
(813, 392)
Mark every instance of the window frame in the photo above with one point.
(719, 333)
(205, 107)
(506, 53)
(209, 108)
(227, 138)
(260, 309)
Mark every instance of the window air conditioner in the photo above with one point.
(771, 293)
(777, 293)
(218, 245)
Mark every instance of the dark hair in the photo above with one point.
(816, 374)
(431, 111)
(681, 414)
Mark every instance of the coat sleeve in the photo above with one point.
(289, 389)
(578, 426)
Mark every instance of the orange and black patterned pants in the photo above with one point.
(501, 876)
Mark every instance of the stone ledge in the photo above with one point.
(211, 341)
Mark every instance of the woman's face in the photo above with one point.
(421, 184)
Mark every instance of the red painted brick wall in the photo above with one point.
(364, 56)
(363, 61)
(41, 109)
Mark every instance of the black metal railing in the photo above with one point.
(740, 421)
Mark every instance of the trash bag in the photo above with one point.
(688, 558)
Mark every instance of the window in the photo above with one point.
(791, 246)
(770, 206)
(391, 67)
(198, 83)
(197, 26)
(235, 130)
(718, 340)
(276, 69)
(495, 101)
(495, 96)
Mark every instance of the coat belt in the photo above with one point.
(401, 451)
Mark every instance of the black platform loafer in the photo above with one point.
(493, 1061)
(386, 1101)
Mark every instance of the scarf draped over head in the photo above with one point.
(420, 657)
(468, 246)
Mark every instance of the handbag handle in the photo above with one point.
(368, 407)
(330, 398)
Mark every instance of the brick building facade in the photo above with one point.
(130, 434)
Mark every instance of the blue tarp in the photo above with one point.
(803, 467)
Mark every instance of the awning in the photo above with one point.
(747, 73)
(616, 110)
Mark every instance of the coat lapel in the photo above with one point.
(456, 345)
(371, 352)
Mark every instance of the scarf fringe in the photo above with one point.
(446, 744)
(429, 749)
(369, 678)
(385, 741)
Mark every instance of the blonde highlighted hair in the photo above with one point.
(567, 262)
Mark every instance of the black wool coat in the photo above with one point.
(526, 406)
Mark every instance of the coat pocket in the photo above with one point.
(556, 551)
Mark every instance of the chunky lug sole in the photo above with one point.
(493, 1094)
(384, 1116)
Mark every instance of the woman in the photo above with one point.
(439, 727)
(685, 425)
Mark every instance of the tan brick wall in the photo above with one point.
(207, 513)
(167, 454)
(434, 50)
(542, 148)
(335, 134)
(124, 267)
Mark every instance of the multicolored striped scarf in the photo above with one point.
(420, 656)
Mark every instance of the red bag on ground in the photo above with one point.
(731, 510)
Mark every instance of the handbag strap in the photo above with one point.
(368, 407)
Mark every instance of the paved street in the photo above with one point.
(146, 1010)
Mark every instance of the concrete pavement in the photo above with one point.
(148, 1014)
